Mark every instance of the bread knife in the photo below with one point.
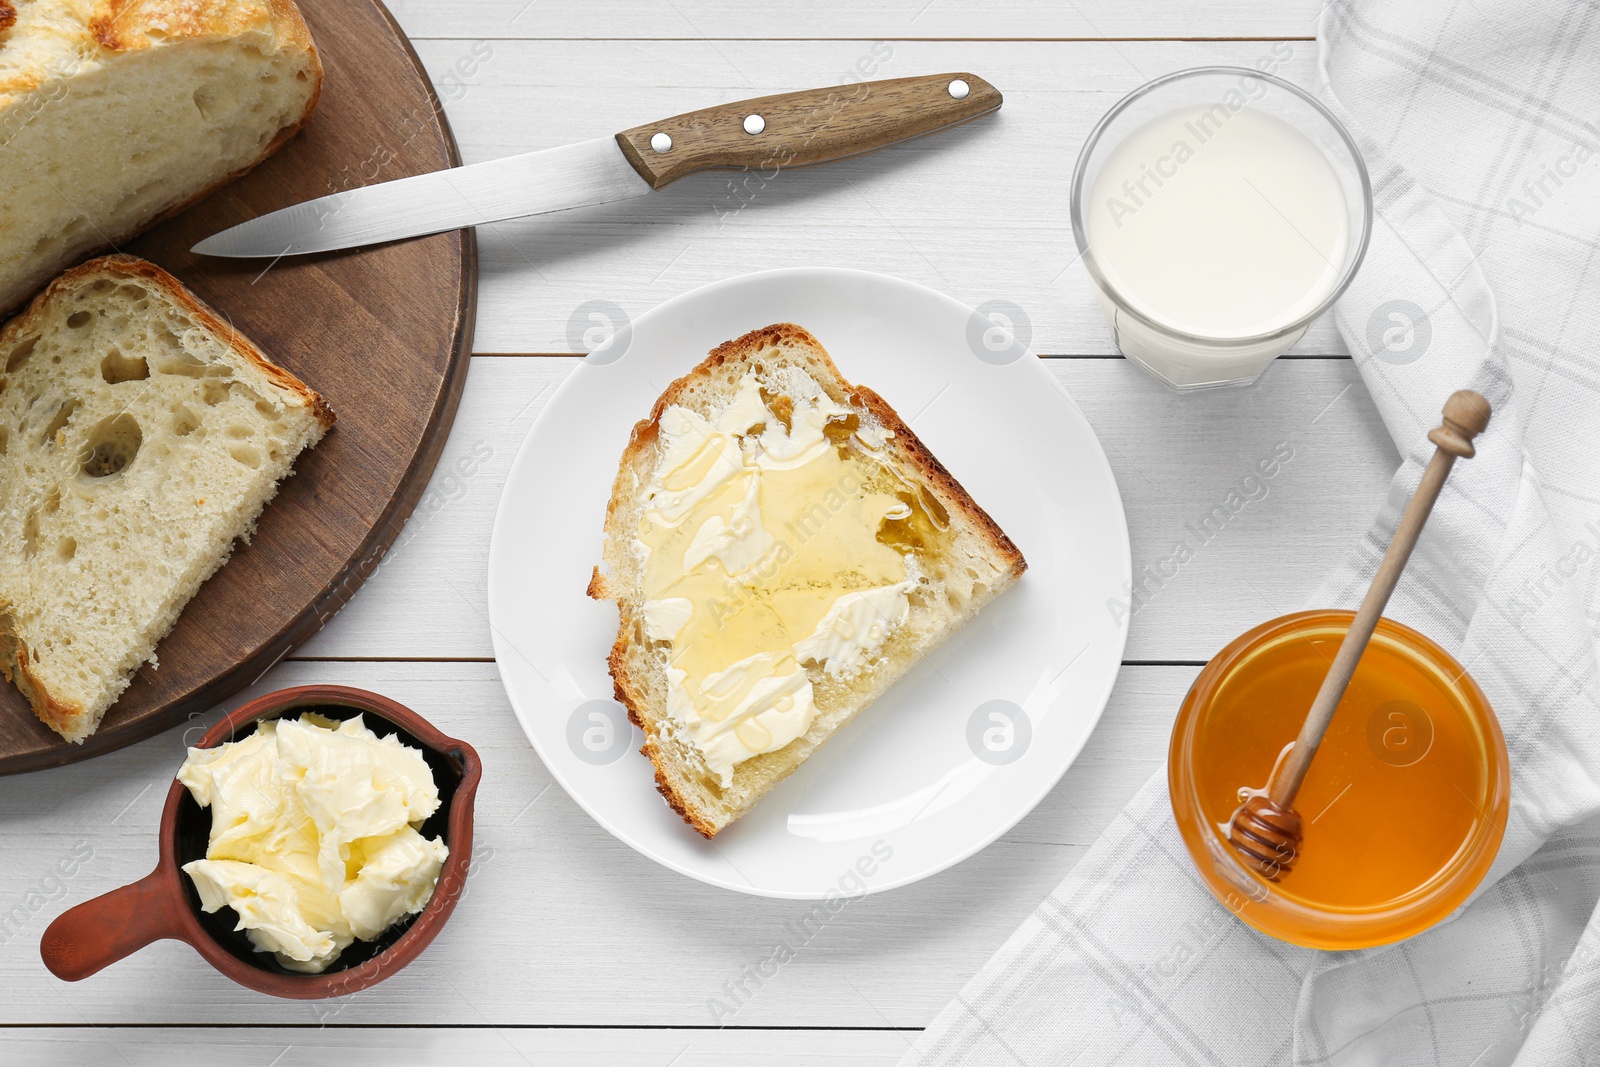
(768, 134)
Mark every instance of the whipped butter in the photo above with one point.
(759, 543)
(314, 839)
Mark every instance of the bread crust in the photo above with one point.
(125, 25)
(64, 717)
(644, 434)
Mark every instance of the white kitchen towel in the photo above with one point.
(1478, 121)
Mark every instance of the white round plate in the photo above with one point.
(969, 740)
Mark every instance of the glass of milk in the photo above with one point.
(1218, 210)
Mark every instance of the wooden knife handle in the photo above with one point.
(798, 129)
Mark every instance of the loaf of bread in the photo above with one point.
(139, 436)
(834, 596)
(117, 113)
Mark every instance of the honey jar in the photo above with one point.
(1404, 805)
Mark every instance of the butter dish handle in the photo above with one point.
(99, 932)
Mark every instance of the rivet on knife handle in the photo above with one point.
(798, 129)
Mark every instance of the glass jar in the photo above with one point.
(1404, 805)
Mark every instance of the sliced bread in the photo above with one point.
(885, 548)
(139, 436)
(116, 113)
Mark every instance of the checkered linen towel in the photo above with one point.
(1478, 120)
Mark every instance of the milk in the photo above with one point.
(1223, 224)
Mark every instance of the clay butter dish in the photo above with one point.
(165, 903)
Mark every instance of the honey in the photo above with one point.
(1404, 805)
(923, 525)
(778, 550)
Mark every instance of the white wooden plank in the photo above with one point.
(841, 18)
(488, 1047)
(1175, 457)
(560, 923)
(980, 212)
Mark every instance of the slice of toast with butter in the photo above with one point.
(781, 549)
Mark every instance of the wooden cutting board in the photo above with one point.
(385, 334)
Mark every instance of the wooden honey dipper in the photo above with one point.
(1266, 831)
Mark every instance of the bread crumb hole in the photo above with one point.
(100, 286)
(240, 433)
(19, 355)
(5, 440)
(63, 413)
(78, 320)
(215, 392)
(268, 411)
(179, 362)
(131, 291)
(67, 548)
(185, 422)
(52, 503)
(30, 534)
(245, 455)
(117, 368)
(112, 446)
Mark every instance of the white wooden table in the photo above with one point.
(569, 945)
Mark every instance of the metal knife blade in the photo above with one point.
(574, 175)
